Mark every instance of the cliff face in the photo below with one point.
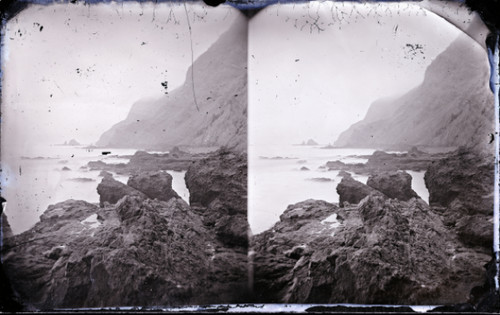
(220, 92)
(452, 107)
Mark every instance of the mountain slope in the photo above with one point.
(452, 107)
(220, 86)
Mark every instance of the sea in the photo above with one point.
(278, 176)
(55, 173)
(282, 175)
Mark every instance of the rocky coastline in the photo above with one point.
(382, 244)
(142, 245)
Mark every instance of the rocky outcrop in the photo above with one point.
(352, 191)
(218, 187)
(383, 251)
(390, 248)
(141, 251)
(445, 110)
(111, 190)
(381, 161)
(465, 177)
(155, 185)
(141, 161)
(137, 255)
(461, 191)
(393, 184)
(216, 115)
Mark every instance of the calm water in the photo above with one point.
(276, 179)
(56, 173)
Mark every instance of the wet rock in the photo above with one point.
(303, 168)
(218, 185)
(65, 168)
(393, 185)
(154, 185)
(353, 191)
(111, 190)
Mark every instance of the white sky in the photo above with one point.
(123, 52)
(310, 80)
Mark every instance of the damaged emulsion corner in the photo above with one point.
(489, 288)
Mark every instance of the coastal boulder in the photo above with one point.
(393, 185)
(353, 191)
(111, 190)
(154, 185)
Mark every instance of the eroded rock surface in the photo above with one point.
(154, 185)
(393, 185)
(218, 187)
(386, 250)
(110, 190)
(381, 251)
(353, 191)
(141, 251)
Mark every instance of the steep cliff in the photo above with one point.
(452, 107)
(211, 111)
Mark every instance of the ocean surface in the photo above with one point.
(52, 174)
(279, 176)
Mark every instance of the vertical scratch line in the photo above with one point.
(192, 58)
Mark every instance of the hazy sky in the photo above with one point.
(73, 70)
(315, 68)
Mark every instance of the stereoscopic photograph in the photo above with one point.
(123, 155)
(300, 156)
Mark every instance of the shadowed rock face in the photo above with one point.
(218, 187)
(155, 185)
(465, 177)
(111, 190)
(353, 191)
(393, 184)
(461, 191)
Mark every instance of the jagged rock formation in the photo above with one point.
(155, 185)
(220, 84)
(381, 161)
(140, 251)
(352, 191)
(395, 185)
(385, 250)
(461, 190)
(219, 186)
(142, 161)
(110, 191)
(452, 107)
